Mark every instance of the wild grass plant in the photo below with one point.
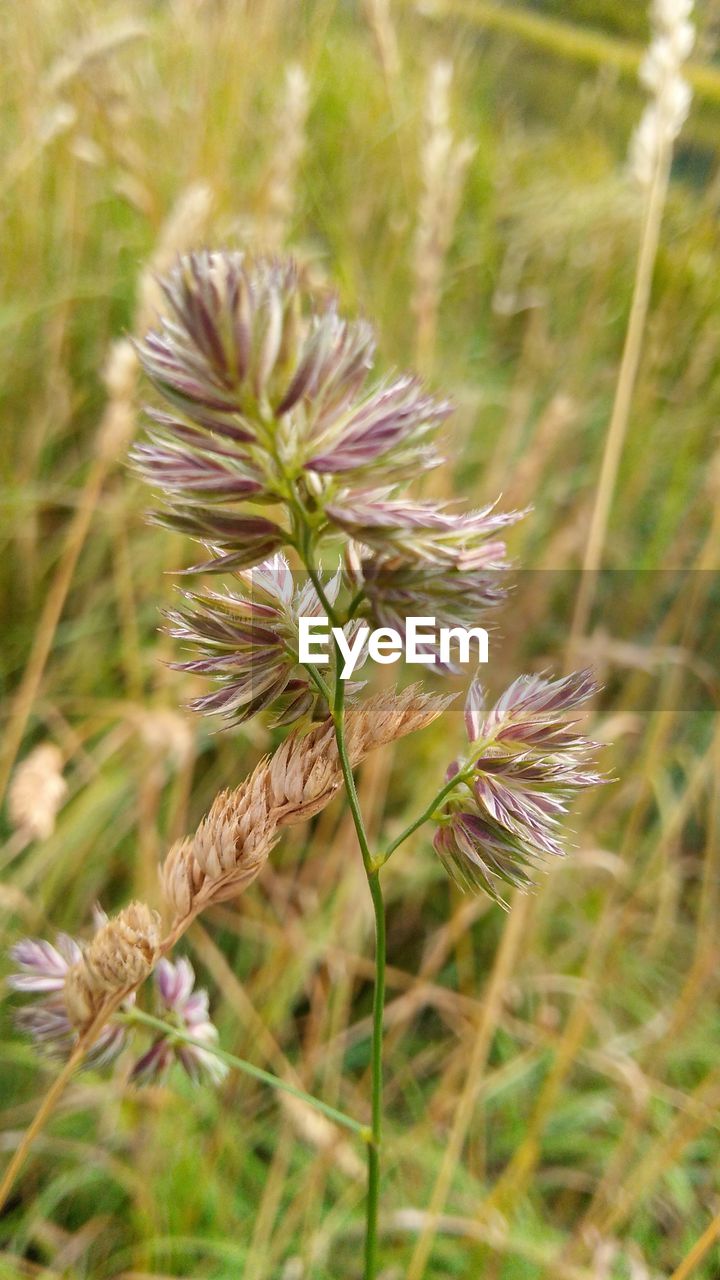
(583, 1140)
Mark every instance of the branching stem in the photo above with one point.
(425, 816)
(139, 1018)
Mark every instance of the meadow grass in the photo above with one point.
(587, 1130)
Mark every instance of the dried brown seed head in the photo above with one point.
(234, 840)
(180, 878)
(120, 957)
(37, 791)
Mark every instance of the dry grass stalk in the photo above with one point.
(287, 154)
(512, 940)
(37, 791)
(670, 94)
(183, 226)
(524, 477)
(167, 734)
(118, 421)
(652, 153)
(443, 166)
(232, 844)
(379, 20)
(96, 45)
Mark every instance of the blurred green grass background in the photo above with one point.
(127, 130)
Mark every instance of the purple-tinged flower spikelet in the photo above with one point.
(43, 970)
(425, 534)
(419, 559)
(269, 399)
(526, 761)
(247, 642)
(185, 1008)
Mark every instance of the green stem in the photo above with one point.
(373, 878)
(317, 583)
(305, 547)
(355, 603)
(372, 869)
(318, 681)
(373, 1194)
(346, 767)
(136, 1016)
(426, 814)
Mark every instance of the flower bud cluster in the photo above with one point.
(248, 642)
(526, 760)
(70, 988)
(119, 958)
(184, 1007)
(268, 388)
(37, 791)
(43, 971)
(277, 437)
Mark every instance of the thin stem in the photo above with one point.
(372, 867)
(47, 623)
(54, 1093)
(355, 603)
(373, 878)
(317, 583)
(47, 1106)
(426, 814)
(346, 767)
(305, 547)
(627, 377)
(373, 1193)
(693, 1259)
(318, 681)
(137, 1016)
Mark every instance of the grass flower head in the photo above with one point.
(526, 761)
(186, 1008)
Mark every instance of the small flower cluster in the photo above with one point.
(49, 972)
(42, 972)
(526, 760)
(661, 74)
(179, 1004)
(268, 389)
(417, 559)
(119, 957)
(248, 643)
(272, 408)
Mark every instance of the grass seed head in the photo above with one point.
(120, 957)
(234, 840)
(526, 761)
(37, 791)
